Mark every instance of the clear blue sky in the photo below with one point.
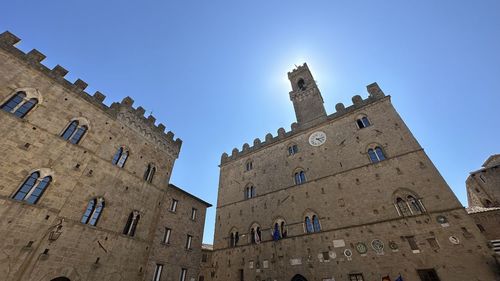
(215, 72)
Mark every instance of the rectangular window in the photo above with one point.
(356, 277)
(193, 213)
(242, 275)
(204, 258)
(188, 242)
(158, 270)
(173, 207)
(433, 243)
(428, 274)
(166, 236)
(182, 277)
(413, 244)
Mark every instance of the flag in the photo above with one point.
(399, 278)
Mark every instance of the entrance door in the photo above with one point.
(60, 279)
(427, 274)
(299, 277)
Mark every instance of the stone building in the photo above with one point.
(344, 196)
(207, 271)
(483, 194)
(84, 188)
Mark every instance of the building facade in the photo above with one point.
(346, 196)
(84, 188)
(483, 194)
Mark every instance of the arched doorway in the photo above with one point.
(60, 279)
(299, 277)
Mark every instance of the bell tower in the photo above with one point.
(305, 95)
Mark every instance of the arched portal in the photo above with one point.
(60, 279)
(299, 277)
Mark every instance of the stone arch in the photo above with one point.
(298, 277)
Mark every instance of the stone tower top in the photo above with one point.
(305, 95)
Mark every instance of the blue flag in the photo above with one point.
(399, 278)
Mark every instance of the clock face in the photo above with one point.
(317, 138)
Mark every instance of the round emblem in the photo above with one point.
(348, 253)
(361, 248)
(378, 245)
(393, 245)
(441, 219)
(454, 240)
(317, 138)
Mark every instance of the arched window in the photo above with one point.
(376, 154)
(301, 84)
(316, 225)
(234, 237)
(250, 192)
(256, 234)
(300, 177)
(150, 172)
(284, 232)
(19, 104)
(120, 157)
(402, 207)
(415, 205)
(362, 122)
(133, 220)
(32, 188)
(309, 226)
(249, 165)
(293, 149)
(74, 133)
(93, 211)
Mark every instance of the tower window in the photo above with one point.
(363, 122)
(234, 238)
(301, 84)
(32, 188)
(93, 211)
(19, 104)
(255, 235)
(133, 220)
(376, 155)
(293, 149)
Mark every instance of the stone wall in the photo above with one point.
(46, 240)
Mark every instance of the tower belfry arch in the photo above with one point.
(299, 277)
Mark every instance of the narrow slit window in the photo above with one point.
(131, 226)
(193, 213)
(189, 240)
(166, 236)
(182, 277)
(158, 270)
(173, 206)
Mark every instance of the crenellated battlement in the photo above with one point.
(123, 111)
(375, 94)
